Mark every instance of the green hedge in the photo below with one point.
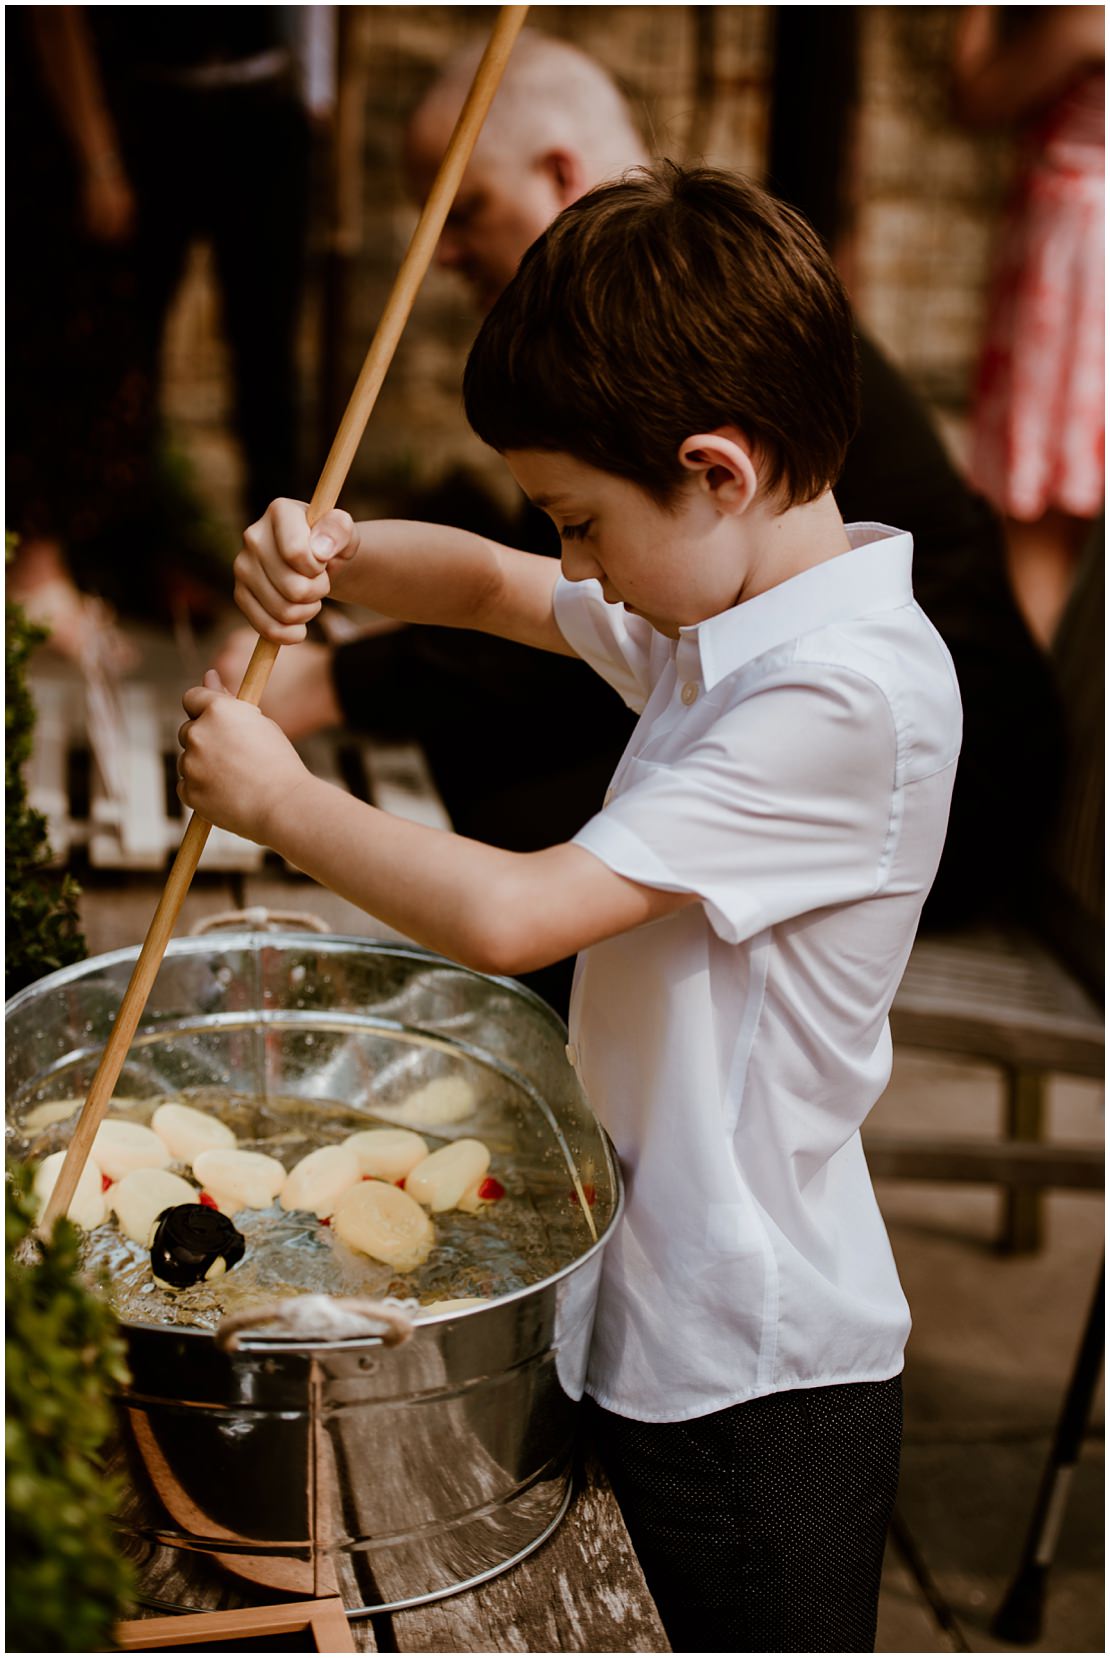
(43, 931)
(66, 1583)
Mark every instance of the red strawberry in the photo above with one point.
(490, 1190)
(104, 1183)
(208, 1200)
(400, 1182)
(325, 1220)
(588, 1192)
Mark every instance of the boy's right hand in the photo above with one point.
(284, 571)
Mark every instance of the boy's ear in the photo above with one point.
(566, 174)
(724, 465)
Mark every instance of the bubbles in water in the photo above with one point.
(533, 1231)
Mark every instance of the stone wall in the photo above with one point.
(927, 196)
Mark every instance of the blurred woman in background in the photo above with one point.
(1038, 416)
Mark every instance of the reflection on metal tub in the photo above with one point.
(389, 1474)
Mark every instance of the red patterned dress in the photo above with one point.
(1038, 417)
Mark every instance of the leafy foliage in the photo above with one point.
(43, 929)
(66, 1584)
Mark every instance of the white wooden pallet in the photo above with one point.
(139, 825)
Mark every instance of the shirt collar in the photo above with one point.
(873, 576)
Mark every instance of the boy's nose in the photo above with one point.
(578, 564)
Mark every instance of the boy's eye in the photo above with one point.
(576, 532)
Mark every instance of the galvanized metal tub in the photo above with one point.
(390, 1475)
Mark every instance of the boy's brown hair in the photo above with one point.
(673, 302)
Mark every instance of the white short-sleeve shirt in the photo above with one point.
(792, 767)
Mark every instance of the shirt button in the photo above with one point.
(572, 1054)
(689, 692)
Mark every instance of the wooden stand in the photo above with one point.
(324, 1622)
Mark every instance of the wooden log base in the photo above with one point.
(581, 1591)
(322, 1622)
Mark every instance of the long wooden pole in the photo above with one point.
(510, 19)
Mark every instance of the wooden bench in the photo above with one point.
(103, 771)
(1027, 997)
(581, 1591)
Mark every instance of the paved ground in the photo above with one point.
(993, 1342)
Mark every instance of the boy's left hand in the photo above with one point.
(238, 769)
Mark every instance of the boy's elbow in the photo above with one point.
(500, 950)
(505, 935)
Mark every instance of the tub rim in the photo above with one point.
(251, 936)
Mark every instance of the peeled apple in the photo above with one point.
(384, 1222)
(320, 1179)
(443, 1100)
(239, 1179)
(187, 1132)
(447, 1175)
(87, 1207)
(141, 1196)
(120, 1146)
(387, 1153)
(51, 1111)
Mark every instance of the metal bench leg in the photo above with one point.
(1019, 1618)
(1022, 1205)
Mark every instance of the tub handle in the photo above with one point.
(259, 916)
(319, 1318)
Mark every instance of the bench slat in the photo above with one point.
(999, 995)
(1023, 1163)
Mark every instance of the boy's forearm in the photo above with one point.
(421, 573)
(449, 578)
(447, 893)
(496, 911)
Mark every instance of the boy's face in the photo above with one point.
(674, 566)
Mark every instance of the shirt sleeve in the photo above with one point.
(621, 648)
(786, 804)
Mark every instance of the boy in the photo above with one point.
(671, 376)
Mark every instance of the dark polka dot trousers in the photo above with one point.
(761, 1528)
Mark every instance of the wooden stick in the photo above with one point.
(398, 306)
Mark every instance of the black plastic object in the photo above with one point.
(190, 1238)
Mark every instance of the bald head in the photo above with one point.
(551, 95)
(558, 126)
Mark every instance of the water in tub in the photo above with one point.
(519, 1220)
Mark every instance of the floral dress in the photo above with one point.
(1038, 416)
